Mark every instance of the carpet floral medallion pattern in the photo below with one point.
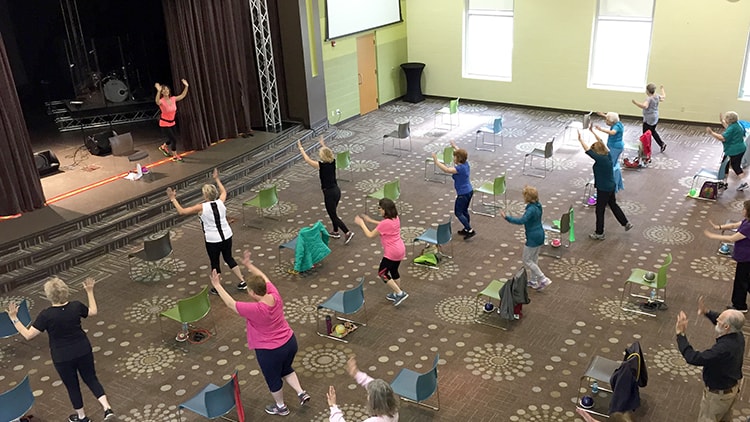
(543, 413)
(668, 235)
(498, 362)
(303, 310)
(714, 267)
(150, 413)
(611, 309)
(670, 363)
(147, 310)
(148, 362)
(457, 309)
(574, 269)
(323, 360)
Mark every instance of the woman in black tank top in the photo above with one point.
(331, 192)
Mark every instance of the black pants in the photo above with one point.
(169, 132)
(221, 248)
(331, 197)
(69, 371)
(603, 199)
(655, 135)
(741, 285)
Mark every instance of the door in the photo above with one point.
(367, 74)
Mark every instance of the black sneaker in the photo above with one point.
(213, 291)
(242, 286)
(663, 147)
(109, 415)
(744, 311)
(75, 418)
(303, 398)
(349, 237)
(470, 234)
(334, 235)
(462, 232)
(274, 409)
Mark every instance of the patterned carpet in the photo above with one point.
(529, 373)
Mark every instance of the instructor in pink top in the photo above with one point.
(168, 107)
(268, 333)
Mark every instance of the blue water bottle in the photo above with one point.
(595, 387)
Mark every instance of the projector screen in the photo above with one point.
(346, 17)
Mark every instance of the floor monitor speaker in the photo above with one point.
(46, 162)
(98, 143)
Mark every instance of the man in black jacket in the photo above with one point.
(722, 363)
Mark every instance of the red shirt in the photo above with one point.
(168, 107)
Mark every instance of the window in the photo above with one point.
(745, 86)
(488, 40)
(621, 44)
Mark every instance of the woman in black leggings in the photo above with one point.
(68, 343)
(331, 192)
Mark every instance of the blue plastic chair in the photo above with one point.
(6, 326)
(416, 388)
(15, 402)
(212, 401)
(495, 128)
(345, 302)
(439, 237)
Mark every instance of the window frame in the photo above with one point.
(743, 95)
(502, 14)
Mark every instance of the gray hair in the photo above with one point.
(731, 117)
(380, 399)
(210, 192)
(612, 117)
(56, 291)
(735, 320)
(651, 89)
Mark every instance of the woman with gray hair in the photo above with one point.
(69, 346)
(381, 401)
(218, 234)
(650, 107)
(615, 144)
(733, 142)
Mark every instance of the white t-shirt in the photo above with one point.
(214, 222)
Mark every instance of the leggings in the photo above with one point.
(69, 371)
(741, 285)
(220, 248)
(604, 198)
(388, 267)
(461, 209)
(331, 197)
(169, 132)
(655, 135)
(276, 363)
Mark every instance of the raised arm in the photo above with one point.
(583, 143)
(184, 92)
(195, 209)
(222, 189)
(225, 297)
(717, 136)
(307, 158)
(158, 93)
(359, 220)
(27, 333)
(723, 121)
(453, 144)
(642, 105)
(607, 131)
(322, 141)
(663, 95)
(443, 167)
(88, 285)
(248, 263)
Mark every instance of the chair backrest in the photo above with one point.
(343, 160)
(122, 145)
(497, 125)
(661, 276)
(268, 197)
(427, 382)
(194, 308)
(392, 190)
(7, 329)
(354, 298)
(444, 232)
(498, 186)
(447, 156)
(220, 401)
(453, 106)
(565, 223)
(721, 174)
(158, 248)
(404, 130)
(548, 148)
(15, 402)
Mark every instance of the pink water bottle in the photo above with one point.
(329, 325)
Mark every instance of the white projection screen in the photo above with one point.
(346, 17)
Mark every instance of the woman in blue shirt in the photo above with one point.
(461, 174)
(733, 140)
(614, 144)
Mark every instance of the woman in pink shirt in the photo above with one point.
(394, 251)
(268, 333)
(168, 106)
(381, 401)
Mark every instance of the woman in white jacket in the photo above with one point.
(381, 402)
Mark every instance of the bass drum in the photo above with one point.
(115, 90)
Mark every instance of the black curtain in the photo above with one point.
(210, 45)
(20, 187)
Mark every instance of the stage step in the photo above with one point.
(72, 243)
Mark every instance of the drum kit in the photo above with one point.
(114, 89)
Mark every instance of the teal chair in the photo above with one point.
(416, 388)
(15, 402)
(212, 401)
(446, 157)
(267, 199)
(343, 162)
(450, 111)
(190, 310)
(495, 188)
(494, 128)
(439, 237)
(391, 190)
(345, 302)
(7, 329)
(658, 285)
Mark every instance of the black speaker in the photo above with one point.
(46, 162)
(98, 143)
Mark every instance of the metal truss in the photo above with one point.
(266, 67)
(67, 122)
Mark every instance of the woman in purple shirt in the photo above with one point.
(268, 333)
(740, 234)
(461, 174)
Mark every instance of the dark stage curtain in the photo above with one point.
(20, 186)
(210, 45)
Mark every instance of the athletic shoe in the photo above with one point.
(181, 336)
(303, 398)
(177, 158)
(213, 291)
(391, 296)
(628, 226)
(543, 284)
(109, 415)
(164, 150)
(348, 238)
(744, 311)
(597, 236)
(470, 234)
(742, 187)
(75, 418)
(242, 286)
(533, 284)
(400, 298)
(462, 232)
(274, 409)
(663, 147)
(334, 235)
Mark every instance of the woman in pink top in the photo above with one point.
(381, 401)
(168, 106)
(389, 230)
(268, 333)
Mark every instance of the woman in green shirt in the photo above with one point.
(734, 144)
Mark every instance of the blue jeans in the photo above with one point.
(462, 209)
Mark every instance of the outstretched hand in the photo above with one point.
(216, 174)
(171, 193)
(88, 284)
(358, 220)
(702, 309)
(502, 213)
(351, 366)
(215, 279)
(331, 396)
(246, 261)
(681, 324)
(185, 83)
(12, 310)
(157, 86)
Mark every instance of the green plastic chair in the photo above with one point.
(343, 162)
(391, 190)
(492, 291)
(494, 188)
(266, 199)
(450, 111)
(190, 310)
(445, 158)
(637, 276)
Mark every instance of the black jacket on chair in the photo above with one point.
(627, 379)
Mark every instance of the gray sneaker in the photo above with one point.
(742, 187)
(597, 236)
(400, 298)
(348, 238)
(274, 409)
(628, 226)
(391, 296)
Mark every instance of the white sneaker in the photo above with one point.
(544, 283)
(533, 284)
(742, 187)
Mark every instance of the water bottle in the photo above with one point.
(595, 387)
(652, 296)
(329, 325)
